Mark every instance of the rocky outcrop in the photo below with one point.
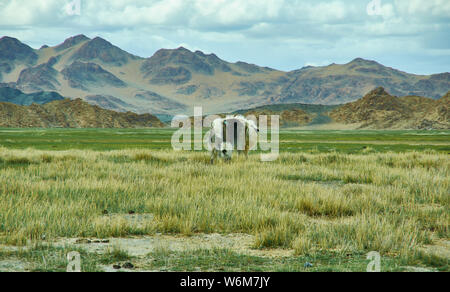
(41, 77)
(160, 103)
(380, 110)
(171, 75)
(109, 102)
(83, 75)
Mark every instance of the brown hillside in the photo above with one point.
(288, 118)
(379, 110)
(71, 114)
(442, 111)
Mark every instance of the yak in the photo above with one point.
(232, 133)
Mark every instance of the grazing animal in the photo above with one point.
(232, 133)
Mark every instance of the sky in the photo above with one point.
(410, 35)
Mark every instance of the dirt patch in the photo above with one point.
(419, 270)
(440, 248)
(12, 265)
(430, 207)
(135, 220)
(143, 245)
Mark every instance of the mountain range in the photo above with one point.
(376, 110)
(173, 81)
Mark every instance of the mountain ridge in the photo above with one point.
(186, 79)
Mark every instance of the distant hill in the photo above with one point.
(376, 110)
(338, 84)
(71, 114)
(380, 110)
(293, 115)
(16, 96)
(173, 81)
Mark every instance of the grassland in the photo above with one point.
(320, 202)
(350, 142)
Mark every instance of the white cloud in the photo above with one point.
(421, 8)
(279, 33)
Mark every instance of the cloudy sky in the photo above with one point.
(411, 35)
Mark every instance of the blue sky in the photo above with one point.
(411, 35)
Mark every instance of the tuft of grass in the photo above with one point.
(18, 161)
(45, 158)
(149, 158)
(358, 178)
(276, 237)
(420, 258)
(368, 150)
(118, 158)
(115, 255)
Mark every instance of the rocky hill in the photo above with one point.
(380, 110)
(71, 114)
(173, 81)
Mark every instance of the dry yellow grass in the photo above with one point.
(391, 203)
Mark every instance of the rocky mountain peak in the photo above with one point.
(72, 41)
(361, 61)
(9, 40)
(12, 49)
(182, 49)
(104, 51)
(99, 42)
(180, 59)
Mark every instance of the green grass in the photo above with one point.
(224, 260)
(290, 140)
